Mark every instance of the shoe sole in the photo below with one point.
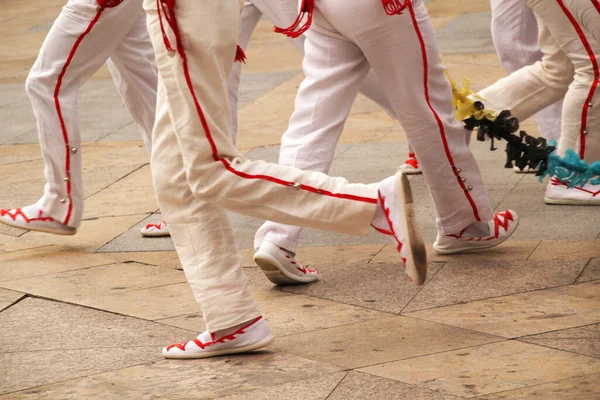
(244, 349)
(487, 246)
(275, 271)
(417, 255)
(161, 234)
(62, 233)
(570, 202)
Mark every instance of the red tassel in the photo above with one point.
(295, 30)
(395, 7)
(240, 56)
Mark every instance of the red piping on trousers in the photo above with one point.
(172, 21)
(437, 117)
(590, 51)
(63, 127)
(596, 4)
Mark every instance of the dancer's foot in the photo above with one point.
(251, 335)
(558, 192)
(395, 218)
(479, 235)
(411, 165)
(280, 266)
(155, 230)
(526, 170)
(33, 218)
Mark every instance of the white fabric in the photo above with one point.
(515, 35)
(119, 36)
(340, 50)
(534, 87)
(282, 13)
(195, 179)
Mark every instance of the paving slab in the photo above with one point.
(288, 314)
(50, 342)
(463, 282)
(76, 389)
(591, 271)
(566, 250)
(518, 315)
(46, 261)
(488, 369)
(217, 377)
(91, 235)
(467, 33)
(379, 341)
(584, 388)
(357, 385)
(80, 284)
(318, 388)
(584, 340)
(378, 286)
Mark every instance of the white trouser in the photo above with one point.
(534, 87)
(340, 50)
(82, 39)
(197, 171)
(515, 35)
(282, 13)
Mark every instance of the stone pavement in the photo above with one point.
(84, 317)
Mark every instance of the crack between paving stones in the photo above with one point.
(493, 297)
(148, 214)
(560, 350)
(421, 288)
(560, 330)
(118, 180)
(534, 249)
(122, 233)
(582, 271)
(338, 384)
(426, 355)
(93, 376)
(508, 194)
(110, 133)
(55, 273)
(376, 254)
(34, 296)
(20, 299)
(537, 385)
(28, 249)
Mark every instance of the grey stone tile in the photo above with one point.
(358, 385)
(51, 342)
(378, 286)
(256, 84)
(463, 282)
(591, 271)
(217, 377)
(468, 33)
(126, 133)
(12, 93)
(21, 118)
(583, 340)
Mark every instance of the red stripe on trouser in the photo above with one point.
(172, 21)
(63, 127)
(596, 4)
(435, 114)
(590, 51)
